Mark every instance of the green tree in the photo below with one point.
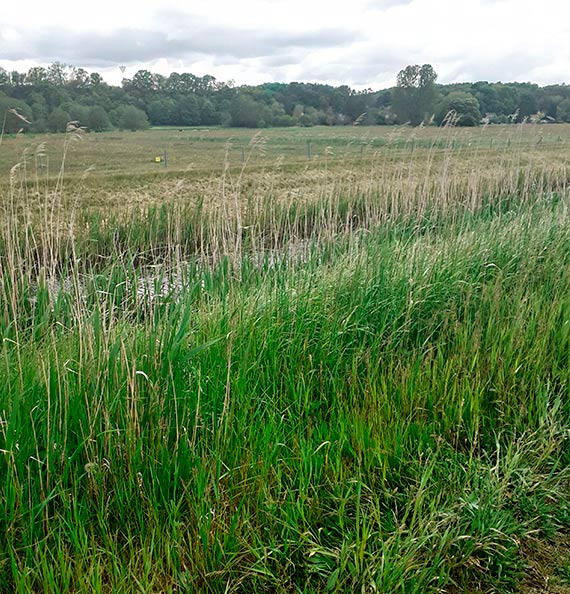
(507, 99)
(77, 113)
(78, 77)
(36, 76)
(312, 117)
(486, 94)
(414, 96)
(97, 119)
(563, 111)
(17, 79)
(298, 113)
(246, 112)
(143, 82)
(356, 105)
(528, 104)
(39, 110)
(209, 115)
(549, 105)
(278, 115)
(57, 120)
(187, 111)
(162, 112)
(132, 118)
(95, 79)
(462, 107)
(173, 84)
(58, 73)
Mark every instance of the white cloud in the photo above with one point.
(362, 43)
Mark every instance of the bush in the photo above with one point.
(130, 117)
(465, 106)
(97, 119)
(58, 120)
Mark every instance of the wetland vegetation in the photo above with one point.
(325, 360)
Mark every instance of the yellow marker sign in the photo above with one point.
(158, 159)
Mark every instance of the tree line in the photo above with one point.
(46, 99)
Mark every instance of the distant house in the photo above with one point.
(541, 118)
(493, 118)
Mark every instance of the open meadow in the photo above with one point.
(296, 360)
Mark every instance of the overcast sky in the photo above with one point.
(362, 43)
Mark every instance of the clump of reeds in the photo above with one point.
(365, 391)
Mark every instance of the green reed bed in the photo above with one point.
(381, 410)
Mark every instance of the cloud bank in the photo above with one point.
(363, 44)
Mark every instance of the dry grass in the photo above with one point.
(548, 566)
(382, 407)
(396, 170)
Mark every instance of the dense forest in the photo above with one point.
(46, 99)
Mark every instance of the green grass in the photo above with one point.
(118, 153)
(378, 403)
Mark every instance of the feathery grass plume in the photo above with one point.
(359, 119)
(20, 116)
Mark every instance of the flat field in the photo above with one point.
(211, 149)
(287, 360)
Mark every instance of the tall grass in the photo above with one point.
(368, 391)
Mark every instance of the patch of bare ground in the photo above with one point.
(548, 566)
(546, 569)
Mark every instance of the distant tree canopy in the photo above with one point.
(45, 99)
(129, 117)
(413, 99)
(97, 119)
(15, 115)
(459, 109)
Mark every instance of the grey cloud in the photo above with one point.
(283, 59)
(137, 45)
(279, 54)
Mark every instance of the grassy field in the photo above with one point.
(269, 371)
(210, 150)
